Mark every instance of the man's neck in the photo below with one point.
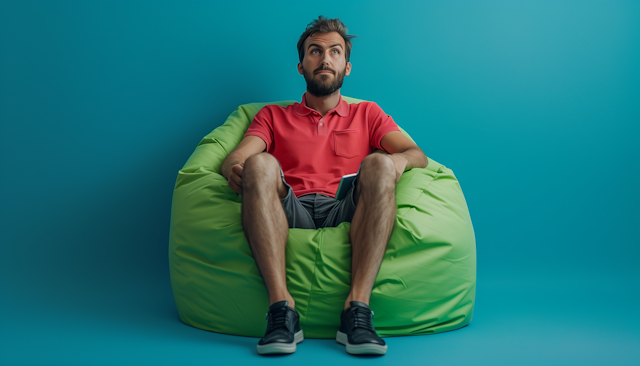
(322, 104)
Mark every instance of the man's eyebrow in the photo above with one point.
(333, 45)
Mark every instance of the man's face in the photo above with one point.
(324, 64)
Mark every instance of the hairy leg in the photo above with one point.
(265, 223)
(372, 224)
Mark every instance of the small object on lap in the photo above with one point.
(345, 185)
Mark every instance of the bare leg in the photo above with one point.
(372, 224)
(265, 223)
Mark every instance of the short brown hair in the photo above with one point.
(325, 25)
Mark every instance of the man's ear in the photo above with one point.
(348, 71)
(300, 68)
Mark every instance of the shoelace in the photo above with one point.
(363, 318)
(278, 319)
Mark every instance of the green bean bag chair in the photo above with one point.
(426, 282)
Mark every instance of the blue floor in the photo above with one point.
(519, 321)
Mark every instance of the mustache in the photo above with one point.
(323, 69)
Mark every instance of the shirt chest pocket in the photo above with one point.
(346, 143)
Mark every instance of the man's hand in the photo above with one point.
(400, 162)
(235, 178)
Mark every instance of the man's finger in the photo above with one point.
(237, 179)
(235, 187)
(237, 169)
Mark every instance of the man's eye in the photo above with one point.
(314, 51)
(337, 51)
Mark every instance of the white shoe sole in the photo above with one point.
(361, 349)
(274, 348)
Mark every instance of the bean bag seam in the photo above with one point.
(313, 275)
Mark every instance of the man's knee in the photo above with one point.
(262, 170)
(260, 167)
(379, 165)
(377, 170)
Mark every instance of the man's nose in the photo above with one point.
(325, 60)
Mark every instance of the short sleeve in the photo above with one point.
(262, 126)
(379, 125)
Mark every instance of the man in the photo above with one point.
(287, 169)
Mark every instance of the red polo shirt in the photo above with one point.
(315, 151)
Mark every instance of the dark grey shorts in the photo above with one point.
(316, 210)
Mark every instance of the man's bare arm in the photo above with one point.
(232, 165)
(415, 158)
(250, 145)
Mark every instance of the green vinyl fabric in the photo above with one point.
(426, 283)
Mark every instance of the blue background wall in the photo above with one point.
(534, 105)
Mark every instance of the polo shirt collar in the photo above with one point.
(301, 108)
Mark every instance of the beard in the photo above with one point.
(320, 86)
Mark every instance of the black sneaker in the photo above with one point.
(283, 330)
(357, 333)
